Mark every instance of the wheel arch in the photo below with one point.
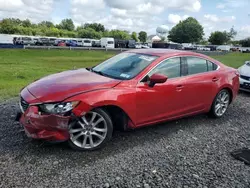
(119, 117)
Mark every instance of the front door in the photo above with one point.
(163, 100)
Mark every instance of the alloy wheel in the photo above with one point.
(89, 131)
(222, 103)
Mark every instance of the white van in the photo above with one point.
(87, 43)
(79, 42)
(223, 48)
(107, 43)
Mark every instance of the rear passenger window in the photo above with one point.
(210, 66)
(196, 65)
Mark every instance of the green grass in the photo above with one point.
(20, 67)
(233, 59)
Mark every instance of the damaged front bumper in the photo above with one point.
(40, 126)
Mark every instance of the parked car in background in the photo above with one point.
(211, 47)
(131, 43)
(245, 49)
(138, 45)
(120, 43)
(96, 43)
(24, 41)
(130, 90)
(61, 43)
(202, 48)
(79, 42)
(45, 41)
(224, 48)
(107, 43)
(244, 71)
(72, 43)
(87, 43)
(145, 45)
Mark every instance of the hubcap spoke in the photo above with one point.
(100, 129)
(98, 135)
(91, 141)
(84, 141)
(82, 125)
(92, 118)
(98, 121)
(85, 120)
(76, 136)
(75, 130)
(217, 107)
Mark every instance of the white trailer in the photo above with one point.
(6, 39)
(107, 43)
(223, 48)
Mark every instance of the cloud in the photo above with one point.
(131, 15)
(215, 18)
(220, 6)
(175, 18)
(232, 4)
(244, 32)
(189, 5)
(24, 9)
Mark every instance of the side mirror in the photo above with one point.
(157, 79)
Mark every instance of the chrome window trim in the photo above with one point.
(218, 66)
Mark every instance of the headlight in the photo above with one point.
(58, 108)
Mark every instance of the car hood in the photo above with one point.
(57, 87)
(244, 70)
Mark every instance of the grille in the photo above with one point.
(23, 105)
(245, 77)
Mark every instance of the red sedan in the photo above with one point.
(130, 90)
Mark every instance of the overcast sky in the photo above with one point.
(135, 15)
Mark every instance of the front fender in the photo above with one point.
(124, 99)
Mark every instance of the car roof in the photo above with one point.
(165, 52)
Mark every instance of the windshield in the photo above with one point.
(124, 66)
(110, 42)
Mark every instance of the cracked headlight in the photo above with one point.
(58, 108)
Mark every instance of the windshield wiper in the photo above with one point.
(104, 74)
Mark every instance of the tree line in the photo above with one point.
(66, 28)
(186, 31)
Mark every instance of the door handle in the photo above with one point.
(215, 79)
(179, 87)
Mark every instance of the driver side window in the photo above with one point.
(170, 68)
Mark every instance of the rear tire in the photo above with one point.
(95, 129)
(220, 104)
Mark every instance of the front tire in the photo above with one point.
(91, 131)
(220, 104)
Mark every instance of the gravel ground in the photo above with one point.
(192, 152)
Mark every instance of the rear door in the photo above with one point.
(202, 83)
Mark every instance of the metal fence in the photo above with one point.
(209, 53)
(74, 48)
